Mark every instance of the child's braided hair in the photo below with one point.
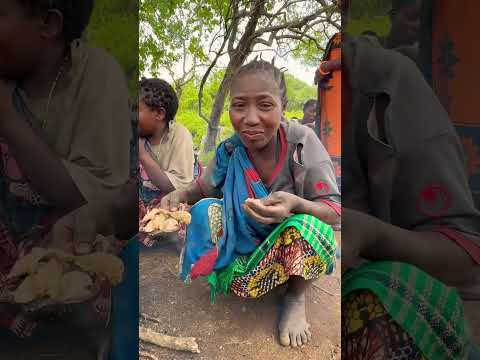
(76, 14)
(262, 66)
(157, 94)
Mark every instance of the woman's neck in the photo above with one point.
(157, 137)
(39, 83)
(265, 160)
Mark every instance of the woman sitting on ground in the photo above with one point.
(279, 198)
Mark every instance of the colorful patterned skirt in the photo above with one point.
(395, 311)
(301, 246)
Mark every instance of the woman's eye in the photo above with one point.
(238, 105)
(266, 106)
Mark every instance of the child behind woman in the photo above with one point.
(165, 148)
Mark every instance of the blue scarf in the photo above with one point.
(240, 235)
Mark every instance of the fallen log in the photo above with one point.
(150, 318)
(169, 342)
(147, 355)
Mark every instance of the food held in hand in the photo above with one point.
(162, 221)
(253, 204)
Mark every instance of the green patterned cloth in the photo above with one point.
(429, 311)
(318, 234)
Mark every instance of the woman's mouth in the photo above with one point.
(252, 135)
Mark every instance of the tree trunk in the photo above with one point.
(217, 110)
(237, 58)
(178, 90)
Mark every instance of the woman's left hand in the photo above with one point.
(273, 209)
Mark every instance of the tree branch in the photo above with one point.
(207, 74)
(235, 22)
(298, 24)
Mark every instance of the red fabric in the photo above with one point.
(334, 206)
(251, 193)
(283, 156)
(469, 246)
(252, 175)
(322, 187)
(204, 266)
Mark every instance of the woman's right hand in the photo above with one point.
(174, 201)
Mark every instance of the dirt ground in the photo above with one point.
(232, 328)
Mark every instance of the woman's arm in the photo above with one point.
(280, 205)
(199, 189)
(38, 162)
(326, 68)
(320, 210)
(155, 173)
(430, 251)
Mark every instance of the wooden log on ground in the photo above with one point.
(169, 342)
(147, 355)
(150, 318)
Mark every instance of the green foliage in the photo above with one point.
(298, 92)
(174, 29)
(114, 27)
(368, 8)
(205, 158)
(309, 53)
(369, 15)
(294, 114)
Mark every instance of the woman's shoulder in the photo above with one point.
(230, 143)
(297, 133)
(180, 129)
(101, 59)
(97, 66)
(304, 143)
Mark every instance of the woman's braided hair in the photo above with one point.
(76, 14)
(158, 94)
(262, 66)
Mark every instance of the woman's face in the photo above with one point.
(255, 110)
(149, 120)
(309, 114)
(20, 40)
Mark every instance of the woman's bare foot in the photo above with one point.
(293, 327)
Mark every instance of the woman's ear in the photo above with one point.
(160, 114)
(52, 24)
